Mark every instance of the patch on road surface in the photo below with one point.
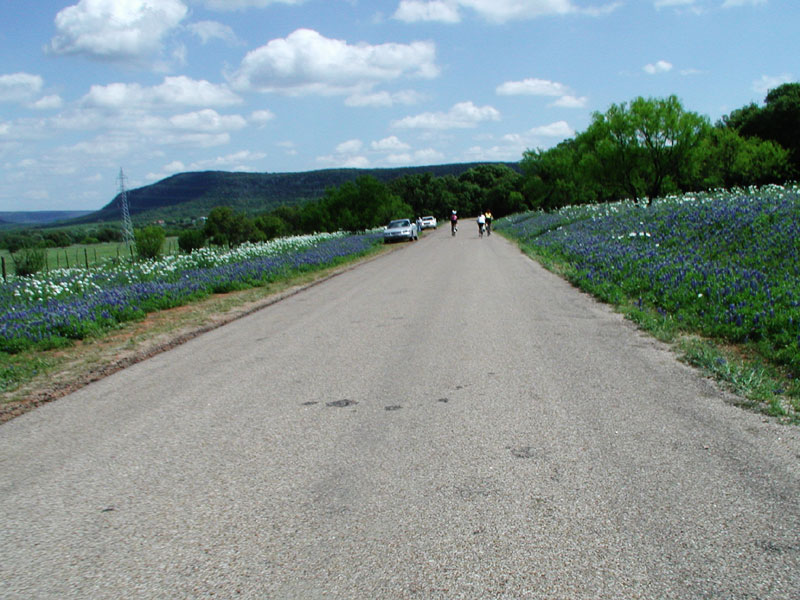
(393, 407)
(523, 452)
(341, 403)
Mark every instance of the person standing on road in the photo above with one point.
(481, 223)
(419, 226)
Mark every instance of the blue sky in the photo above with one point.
(158, 87)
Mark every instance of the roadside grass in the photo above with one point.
(81, 255)
(650, 266)
(33, 376)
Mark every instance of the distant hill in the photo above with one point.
(191, 195)
(39, 217)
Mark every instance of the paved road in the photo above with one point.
(447, 421)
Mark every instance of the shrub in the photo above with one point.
(29, 261)
(149, 241)
(191, 239)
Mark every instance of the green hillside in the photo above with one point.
(190, 195)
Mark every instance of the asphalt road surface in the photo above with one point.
(445, 421)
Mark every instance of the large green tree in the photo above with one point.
(778, 120)
(645, 149)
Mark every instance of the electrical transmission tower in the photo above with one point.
(127, 225)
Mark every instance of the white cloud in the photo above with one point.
(769, 82)
(389, 144)
(668, 3)
(261, 117)
(129, 30)
(243, 4)
(174, 91)
(412, 11)
(497, 11)
(349, 147)
(569, 101)
(661, 66)
(48, 103)
(383, 99)
(20, 87)
(559, 129)
(542, 87)
(208, 120)
(532, 87)
(460, 116)
(736, 3)
(306, 62)
(211, 30)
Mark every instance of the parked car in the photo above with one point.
(429, 222)
(400, 229)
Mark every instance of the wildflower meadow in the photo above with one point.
(51, 309)
(724, 265)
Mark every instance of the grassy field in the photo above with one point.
(83, 255)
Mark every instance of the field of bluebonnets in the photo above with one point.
(722, 265)
(52, 309)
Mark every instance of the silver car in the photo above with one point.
(400, 229)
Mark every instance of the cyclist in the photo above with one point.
(488, 222)
(453, 223)
(481, 224)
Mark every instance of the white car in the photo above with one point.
(429, 222)
(400, 229)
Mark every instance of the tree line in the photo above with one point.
(642, 149)
(654, 147)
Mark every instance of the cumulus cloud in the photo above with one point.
(461, 116)
(542, 87)
(768, 82)
(389, 144)
(383, 99)
(20, 87)
(48, 103)
(662, 66)
(669, 3)
(243, 4)
(412, 11)
(497, 11)
(174, 91)
(207, 121)
(211, 30)
(133, 30)
(532, 87)
(261, 117)
(349, 147)
(736, 3)
(306, 62)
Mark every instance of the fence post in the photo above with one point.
(4, 268)
(86, 256)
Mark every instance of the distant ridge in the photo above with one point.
(39, 217)
(194, 194)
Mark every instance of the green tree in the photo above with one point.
(191, 239)
(554, 178)
(729, 159)
(272, 226)
(646, 148)
(225, 227)
(778, 120)
(149, 241)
